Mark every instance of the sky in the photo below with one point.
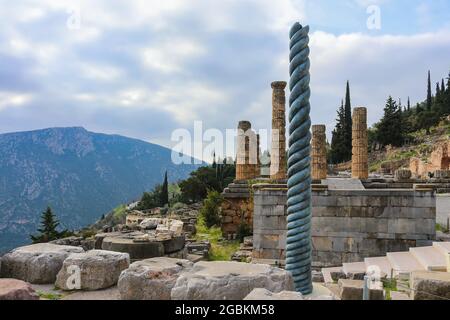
(145, 68)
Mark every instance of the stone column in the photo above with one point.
(298, 238)
(246, 152)
(360, 165)
(318, 153)
(258, 154)
(278, 153)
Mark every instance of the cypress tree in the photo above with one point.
(165, 191)
(337, 153)
(429, 95)
(409, 105)
(438, 90)
(347, 125)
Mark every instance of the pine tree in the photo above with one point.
(165, 191)
(429, 95)
(390, 128)
(48, 230)
(347, 125)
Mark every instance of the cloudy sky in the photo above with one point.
(144, 68)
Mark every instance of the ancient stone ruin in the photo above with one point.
(360, 162)
(278, 151)
(319, 165)
(246, 160)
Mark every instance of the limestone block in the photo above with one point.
(13, 289)
(322, 243)
(136, 250)
(353, 290)
(229, 281)
(151, 279)
(264, 294)
(430, 285)
(98, 269)
(37, 263)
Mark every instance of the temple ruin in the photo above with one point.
(319, 166)
(278, 154)
(360, 162)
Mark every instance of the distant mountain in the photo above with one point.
(80, 174)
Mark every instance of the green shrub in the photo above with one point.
(211, 208)
(243, 231)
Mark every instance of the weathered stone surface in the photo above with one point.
(247, 153)
(136, 250)
(317, 276)
(37, 263)
(264, 294)
(13, 289)
(98, 269)
(278, 153)
(318, 153)
(360, 164)
(428, 285)
(229, 281)
(353, 290)
(151, 279)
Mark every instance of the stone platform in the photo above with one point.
(347, 225)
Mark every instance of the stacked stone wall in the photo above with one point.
(348, 226)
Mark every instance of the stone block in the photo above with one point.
(229, 281)
(430, 285)
(37, 263)
(151, 279)
(98, 269)
(261, 294)
(353, 290)
(322, 244)
(269, 222)
(13, 289)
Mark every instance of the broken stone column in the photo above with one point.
(318, 153)
(258, 157)
(246, 152)
(360, 165)
(278, 154)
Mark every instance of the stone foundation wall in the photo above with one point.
(348, 226)
(234, 212)
(269, 225)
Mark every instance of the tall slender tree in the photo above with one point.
(337, 153)
(165, 191)
(429, 94)
(409, 105)
(347, 125)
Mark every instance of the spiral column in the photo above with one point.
(298, 246)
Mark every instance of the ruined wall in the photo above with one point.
(438, 160)
(236, 208)
(348, 226)
(269, 225)
(318, 153)
(360, 162)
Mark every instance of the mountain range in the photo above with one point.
(79, 174)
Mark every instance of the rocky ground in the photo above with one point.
(57, 272)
